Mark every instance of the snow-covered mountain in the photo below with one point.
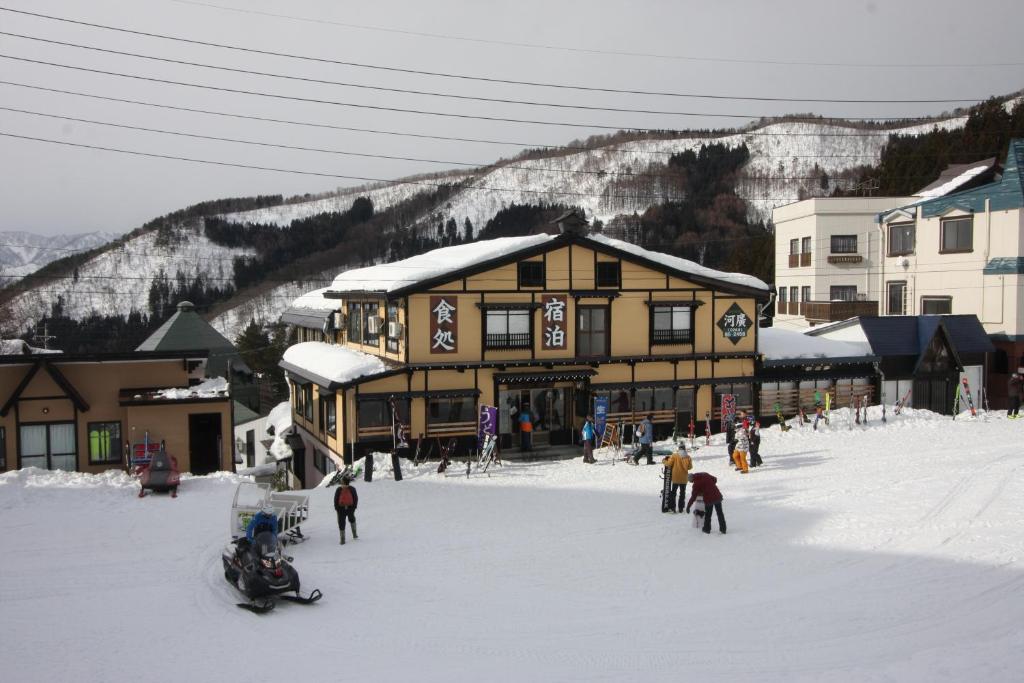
(23, 253)
(617, 177)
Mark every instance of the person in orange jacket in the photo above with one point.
(679, 466)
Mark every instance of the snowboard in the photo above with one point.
(782, 420)
(970, 399)
(698, 512)
(666, 489)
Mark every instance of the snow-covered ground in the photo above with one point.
(886, 553)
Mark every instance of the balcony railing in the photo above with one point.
(515, 340)
(672, 336)
(845, 258)
(797, 260)
(831, 311)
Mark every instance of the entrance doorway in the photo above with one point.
(204, 439)
(552, 411)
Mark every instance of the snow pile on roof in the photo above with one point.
(779, 344)
(681, 264)
(944, 185)
(388, 277)
(280, 419)
(19, 347)
(215, 387)
(332, 362)
(315, 301)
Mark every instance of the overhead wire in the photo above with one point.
(487, 79)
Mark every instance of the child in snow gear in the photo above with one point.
(704, 486)
(698, 512)
(588, 434)
(645, 434)
(755, 444)
(742, 447)
(1013, 390)
(677, 468)
(264, 520)
(525, 428)
(346, 500)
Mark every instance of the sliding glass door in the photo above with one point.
(48, 446)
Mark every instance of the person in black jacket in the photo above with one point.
(755, 445)
(346, 500)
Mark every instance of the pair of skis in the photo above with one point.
(963, 393)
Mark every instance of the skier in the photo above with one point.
(755, 444)
(739, 455)
(346, 500)
(525, 428)
(1014, 388)
(646, 435)
(704, 485)
(264, 520)
(588, 434)
(680, 466)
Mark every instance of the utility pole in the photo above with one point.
(45, 337)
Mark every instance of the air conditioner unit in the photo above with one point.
(339, 320)
(394, 330)
(374, 324)
(861, 296)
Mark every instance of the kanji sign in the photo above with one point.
(735, 323)
(444, 324)
(728, 409)
(488, 423)
(554, 312)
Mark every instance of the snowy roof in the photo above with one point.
(389, 277)
(416, 270)
(19, 347)
(186, 331)
(311, 309)
(213, 388)
(680, 264)
(329, 364)
(777, 344)
(954, 177)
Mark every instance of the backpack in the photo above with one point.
(345, 499)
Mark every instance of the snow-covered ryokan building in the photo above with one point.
(956, 247)
(548, 322)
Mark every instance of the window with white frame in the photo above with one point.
(896, 296)
(936, 305)
(671, 324)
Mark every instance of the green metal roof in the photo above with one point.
(1005, 265)
(187, 330)
(1005, 193)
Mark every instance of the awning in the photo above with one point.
(569, 375)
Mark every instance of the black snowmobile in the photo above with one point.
(262, 573)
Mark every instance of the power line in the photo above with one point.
(475, 165)
(565, 48)
(536, 145)
(419, 72)
(420, 112)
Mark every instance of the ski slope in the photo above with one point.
(885, 553)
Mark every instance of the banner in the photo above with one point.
(444, 325)
(600, 416)
(554, 308)
(488, 423)
(728, 408)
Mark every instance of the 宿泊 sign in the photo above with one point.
(553, 314)
(734, 324)
(444, 325)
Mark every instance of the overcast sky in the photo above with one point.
(726, 47)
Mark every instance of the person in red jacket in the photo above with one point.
(346, 500)
(705, 485)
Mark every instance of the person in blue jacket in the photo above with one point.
(588, 433)
(264, 520)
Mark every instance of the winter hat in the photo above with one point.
(346, 479)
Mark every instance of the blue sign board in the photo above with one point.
(600, 415)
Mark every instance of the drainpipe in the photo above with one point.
(882, 295)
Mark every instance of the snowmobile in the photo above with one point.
(262, 573)
(161, 474)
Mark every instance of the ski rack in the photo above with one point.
(292, 509)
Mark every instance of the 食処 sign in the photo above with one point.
(444, 325)
(554, 309)
(734, 324)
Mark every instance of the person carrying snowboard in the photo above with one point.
(646, 436)
(678, 466)
(705, 486)
(588, 433)
(346, 500)
(755, 444)
(742, 447)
